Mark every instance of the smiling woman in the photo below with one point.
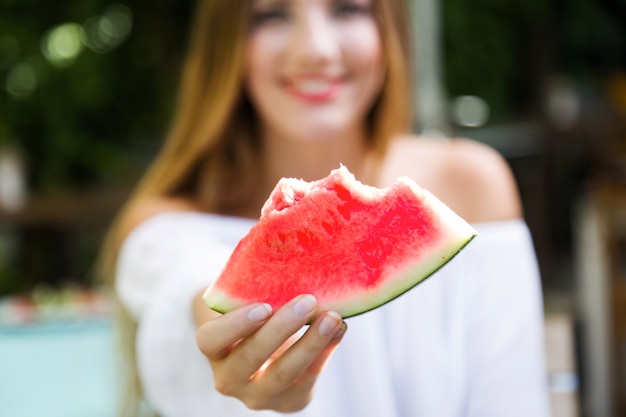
(313, 70)
(294, 88)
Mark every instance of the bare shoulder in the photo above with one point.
(143, 210)
(471, 177)
(483, 179)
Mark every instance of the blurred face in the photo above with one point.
(314, 67)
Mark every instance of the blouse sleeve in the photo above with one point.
(162, 264)
(505, 324)
(169, 247)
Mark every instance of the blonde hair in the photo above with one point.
(211, 146)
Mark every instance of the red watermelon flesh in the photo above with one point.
(354, 247)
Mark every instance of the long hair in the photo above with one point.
(210, 153)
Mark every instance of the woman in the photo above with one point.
(293, 88)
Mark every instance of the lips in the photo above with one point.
(314, 90)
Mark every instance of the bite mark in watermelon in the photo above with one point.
(353, 246)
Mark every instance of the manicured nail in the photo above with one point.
(260, 312)
(329, 323)
(305, 305)
(341, 330)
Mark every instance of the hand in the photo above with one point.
(257, 357)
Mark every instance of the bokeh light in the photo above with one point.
(103, 33)
(470, 111)
(21, 80)
(563, 104)
(62, 44)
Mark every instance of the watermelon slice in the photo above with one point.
(354, 247)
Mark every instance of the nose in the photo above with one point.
(315, 41)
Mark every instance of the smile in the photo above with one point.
(314, 90)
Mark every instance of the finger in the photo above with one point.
(316, 367)
(310, 348)
(299, 394)
(216, 336)
(254, 351)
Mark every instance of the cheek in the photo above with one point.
(362, 45)
(364, 56)
(255, 64)
(255, 86)
(263, 54)
(366, 61)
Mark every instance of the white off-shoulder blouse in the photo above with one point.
(466, 342)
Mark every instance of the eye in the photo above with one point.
(274, 15)
(346, 9)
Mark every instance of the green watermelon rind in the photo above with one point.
(410, 276)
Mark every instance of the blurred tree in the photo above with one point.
(592, 37)
(505, 51)
(86, 112)
(96, 120)
(93, 120)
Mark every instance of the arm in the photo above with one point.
(505, 325)
(505, 314)
(164, 267)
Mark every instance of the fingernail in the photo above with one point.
(341, 330)
(305, 305)
(260, 312)
(329, 323)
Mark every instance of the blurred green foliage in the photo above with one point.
(505, 51)
(92, 122)
(95, 122)
(98, 120)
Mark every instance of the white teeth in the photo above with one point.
(312, 86)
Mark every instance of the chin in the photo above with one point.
(323, 130)
(319, 135)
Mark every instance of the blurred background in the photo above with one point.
(86, 92)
